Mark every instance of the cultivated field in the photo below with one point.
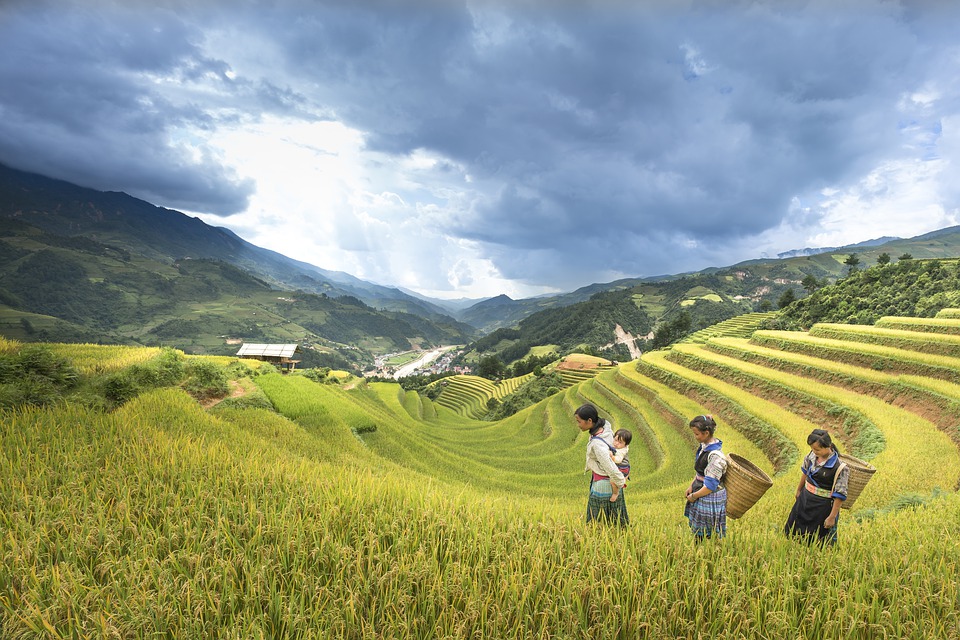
(372, 512)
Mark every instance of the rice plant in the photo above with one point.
(370, 512)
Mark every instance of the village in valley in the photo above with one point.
(418, 363)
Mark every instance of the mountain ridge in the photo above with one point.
(114, 217)
(103, 226)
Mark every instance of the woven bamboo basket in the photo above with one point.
(745, 483)
(860, 474)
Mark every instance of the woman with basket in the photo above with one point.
(822, 489)
(706, 507)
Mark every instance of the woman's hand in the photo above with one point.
(691, 498)
(830, 522)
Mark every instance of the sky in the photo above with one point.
(471, 149)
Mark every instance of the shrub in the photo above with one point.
(317, 375)
(255, 400)
(38, 361)
(120, 387)
(366, 427)
(238, 369)
(204, 379)
(165, 370)
(34, 375)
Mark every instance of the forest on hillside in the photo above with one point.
(907, 287)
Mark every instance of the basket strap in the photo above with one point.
(840, 467)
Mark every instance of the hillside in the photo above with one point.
(128, 224)
(360, 510)
(675, 308)
(755, 283)
(79, 274)
(51, 289)
(904, 288)
(639, 308)
(83, 265)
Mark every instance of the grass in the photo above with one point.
(372, 512)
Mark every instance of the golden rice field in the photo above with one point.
(93, 359)
(372, 512)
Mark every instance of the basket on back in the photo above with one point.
(745, 483)
(860, 474)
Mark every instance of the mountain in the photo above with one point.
(83, 265)
(796, 253)
(502, 311)
(682, 304)
(79, 264)
(122, 221)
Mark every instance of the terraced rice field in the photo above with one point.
(373, 512)
(468, 395)
(739, 326)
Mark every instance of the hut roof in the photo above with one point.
(273, 350)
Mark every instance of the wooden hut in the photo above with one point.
(280, 355)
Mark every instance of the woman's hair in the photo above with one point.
(624, 434)
(822, 438)
(704, 424)
(589, 412)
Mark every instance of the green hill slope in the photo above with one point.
(352, 511)
(903, 288)
(78, 264)
(56, 288)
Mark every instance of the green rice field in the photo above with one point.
(364, 511)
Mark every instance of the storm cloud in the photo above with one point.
(478, 148)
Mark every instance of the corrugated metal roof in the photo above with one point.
(273, 350)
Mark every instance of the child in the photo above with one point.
(621, 441)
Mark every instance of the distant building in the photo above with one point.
(278, 354)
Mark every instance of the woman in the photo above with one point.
(822, 489)
(706, 507)
(606, 501)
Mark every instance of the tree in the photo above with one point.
(883, 258)
(852, 261)
(905, 256)
(810, 283)
(672, 331)
(490, 367)
(766, 305)
(786, 299)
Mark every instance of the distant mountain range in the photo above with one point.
(799, 253)
(83, 265)
(116, 218)
(154, 264)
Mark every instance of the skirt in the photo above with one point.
(708, 515)
(806, 519)
(599, 507)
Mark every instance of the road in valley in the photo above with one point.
(422, 361)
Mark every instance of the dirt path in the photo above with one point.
(236, 390)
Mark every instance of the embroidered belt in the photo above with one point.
(823, 493)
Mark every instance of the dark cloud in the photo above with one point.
(631, 131)
(83, 96)
(643, 121)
